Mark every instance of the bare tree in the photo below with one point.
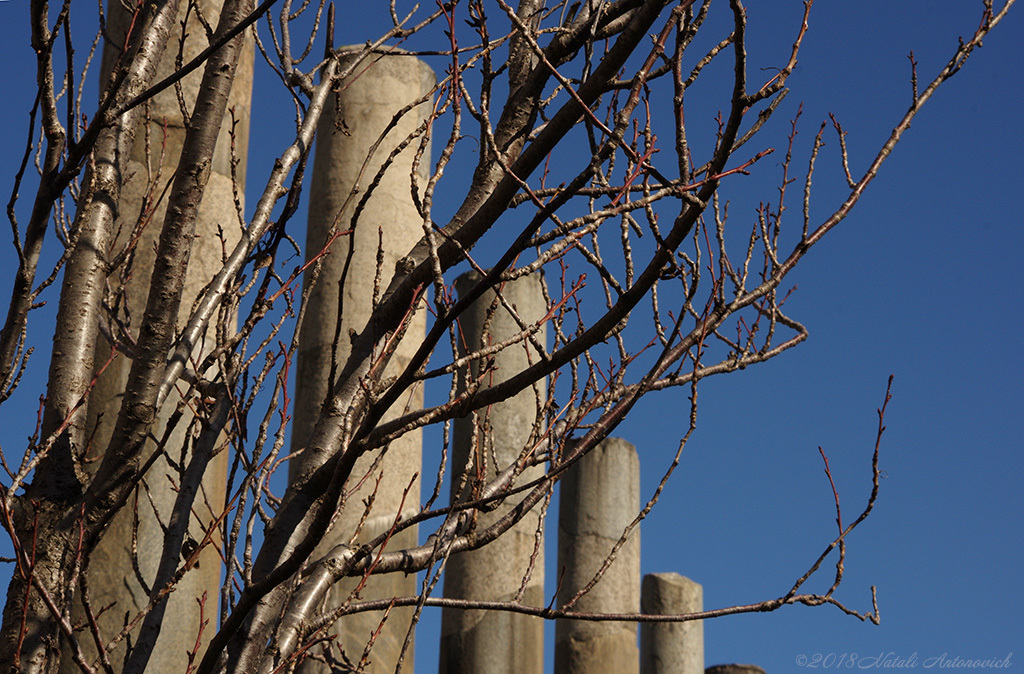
(520, 84)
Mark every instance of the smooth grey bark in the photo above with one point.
(168, 577)
(134, 73)
(56, 522)
(118, 471)
(137, 556)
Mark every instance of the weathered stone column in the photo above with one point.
(366, 104)
(497, 642)
(671, 648)
(734, 669)
(599, 497)
(111, 574)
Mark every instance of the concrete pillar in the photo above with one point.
(671, 648)
(734, 669)
(365, 106)
(599, 496)
(111, 575)
(483, 641)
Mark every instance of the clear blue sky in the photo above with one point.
(913, 284)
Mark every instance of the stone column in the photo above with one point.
(671, 648)
(351, 123)
(111, 575)
(599, 497)
(734, 669)
(497, 642)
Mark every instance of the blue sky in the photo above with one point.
(921, 281)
